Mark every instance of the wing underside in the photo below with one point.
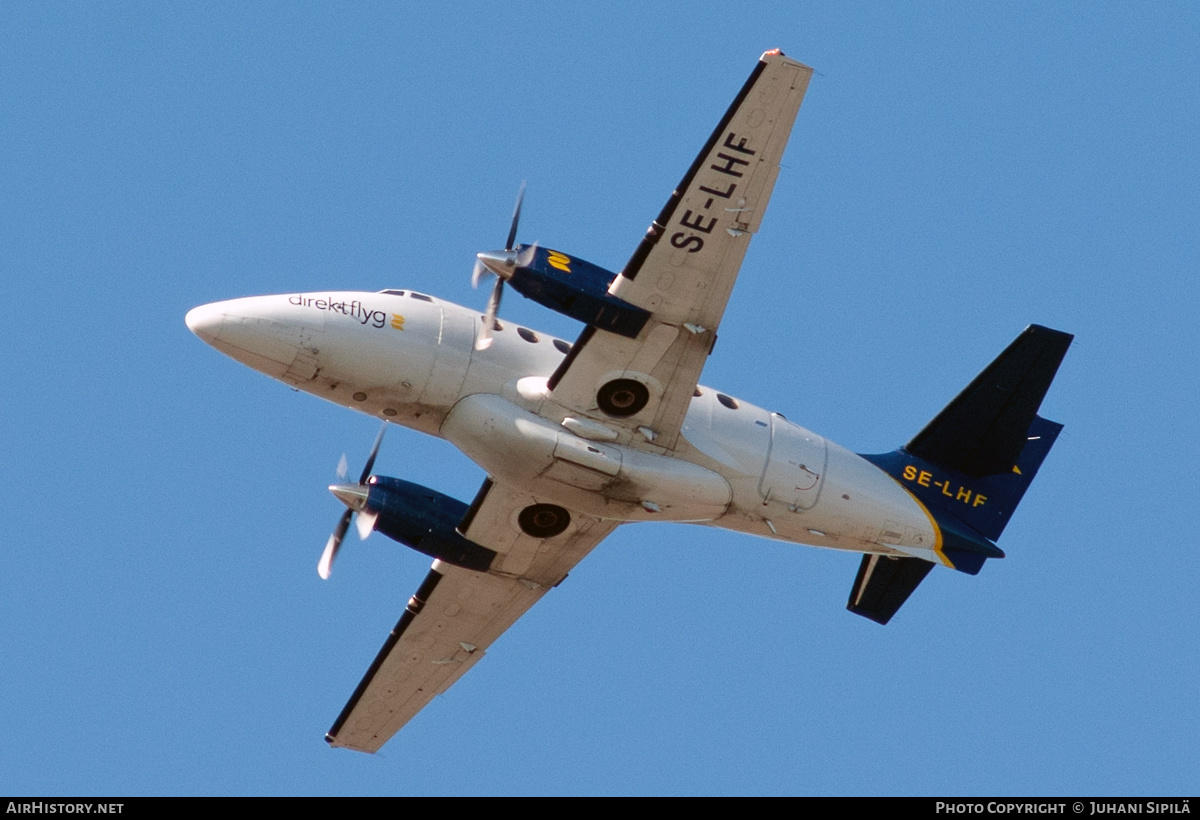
(684, 269)
(457, 613)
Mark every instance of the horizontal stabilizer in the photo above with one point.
(983, 431)
(884, 584)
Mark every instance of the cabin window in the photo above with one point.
(562, 346)
(696, 393)
(527, 334)
(728, 401)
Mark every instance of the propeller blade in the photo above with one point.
(477, 272)
(342, 469)
(502, 265)
(325, 565)
(489, 318)
(512, 231)
(354, 497)
(366, 473)
(493, 307)
(365, 523)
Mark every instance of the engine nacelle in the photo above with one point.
(577, 289)
(424, 520)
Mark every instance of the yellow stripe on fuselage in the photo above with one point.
(937, 531)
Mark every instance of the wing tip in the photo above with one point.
(334, 743)
(778, 53)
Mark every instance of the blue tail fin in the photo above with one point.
(983, 431)
(977, 457)
(971, 465)
(983, 503)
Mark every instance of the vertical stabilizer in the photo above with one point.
(970, 467)
(983, 431)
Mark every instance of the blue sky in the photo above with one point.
(955, 174)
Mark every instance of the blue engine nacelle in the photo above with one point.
(577, 289)
(425, 520)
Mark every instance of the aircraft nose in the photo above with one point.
(260, 331)
(205, 321)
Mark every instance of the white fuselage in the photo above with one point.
(411, 359)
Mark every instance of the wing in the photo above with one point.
(457, 613)
(684, 269)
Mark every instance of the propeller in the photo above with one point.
(354, 496)
(501, 264)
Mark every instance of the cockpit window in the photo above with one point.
(421, 296)
(393, 292)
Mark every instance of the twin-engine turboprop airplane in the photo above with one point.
(578, 439)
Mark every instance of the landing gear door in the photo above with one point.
(795, 467)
